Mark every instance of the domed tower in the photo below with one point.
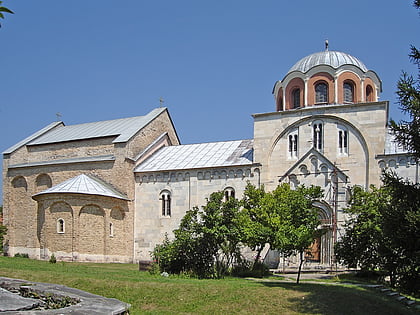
(327, 77)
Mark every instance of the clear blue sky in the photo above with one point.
(214, 62)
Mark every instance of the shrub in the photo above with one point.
(19, 255)
(52, 260)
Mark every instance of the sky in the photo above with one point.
(214, 63)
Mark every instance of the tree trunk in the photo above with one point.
(300, 267)
(257, 257)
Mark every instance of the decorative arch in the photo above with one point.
(20, 182)
(42, 182)
(279, 135)
(295, 91)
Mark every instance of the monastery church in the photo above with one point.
(109, 191)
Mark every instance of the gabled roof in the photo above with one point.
(201, 155)
(123, 129)
(84, 184)
(320, 156)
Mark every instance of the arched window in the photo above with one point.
(229, 193)
(165, 197)
(111, 229)
(317, 135)
(369, 94)
(293, 144)
(348, 92)
(60, 226)
(296, 98)
(321, 93)
(343, 141)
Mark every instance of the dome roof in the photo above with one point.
(334, 59)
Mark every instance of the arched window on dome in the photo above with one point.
(296, 98)
(321, 93)
(369, 94)
(348, 91)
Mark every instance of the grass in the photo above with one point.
(150, 294)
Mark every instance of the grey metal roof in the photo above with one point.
(33, 136)
(334, 59)
(84, 184)
(123, 129)
(201, 155)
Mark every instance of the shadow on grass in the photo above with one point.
(338, 299)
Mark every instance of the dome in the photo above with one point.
(335, 59)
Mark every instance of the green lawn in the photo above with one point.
(150, 294)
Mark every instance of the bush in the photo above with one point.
(247, 269)
(19, 255)
(52, 260)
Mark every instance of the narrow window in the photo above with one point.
(369, 94)
(165, 197)
(321, 93)
(296, 98)
(229, 193)
(60, 226)
(317, 136)
(293, 144)
(111, 229)
(348, 90)
(343, 141)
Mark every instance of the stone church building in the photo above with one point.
(109, 191)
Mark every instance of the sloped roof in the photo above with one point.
(201, 155)
(123, 129)
(32, 137)
(84, 184)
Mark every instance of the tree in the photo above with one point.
(4, 9)
(284, 218)
(382, 234)
(407, 133)
(297, 222)
(206, 242)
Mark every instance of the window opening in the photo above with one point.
(293, 145)
(369, 94)
(343, 141)
(348, 90)
(111, 229)
(321, 93)
(166, 203)
(229, 193)
(296, 98)
(317, 136)
(60, 226)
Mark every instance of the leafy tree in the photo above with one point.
(207, 241)
(407, 133)
(296, 224)
(382, 234)
(284, 218)
(4, 9)
(254, 218)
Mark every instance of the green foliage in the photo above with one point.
(52, 260)
(250, 269)
(206, 243)
(407, 133)
(383, 233)
(19, 255)
(4, 9)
